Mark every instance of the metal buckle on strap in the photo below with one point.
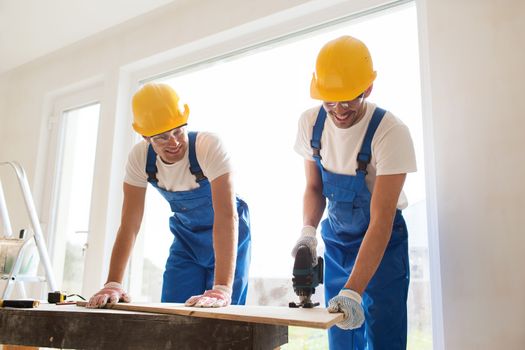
(316, 148)
(199, 176)
(152, 177)
(316, 153)
(361, 166)
(363, 159)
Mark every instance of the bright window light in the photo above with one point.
(253, 101)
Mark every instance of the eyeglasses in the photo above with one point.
(162, 139)
(345, 104)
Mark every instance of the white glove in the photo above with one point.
(219, 296)
(308, 239)
(112, 293)
(348, 302)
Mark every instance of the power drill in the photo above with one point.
(306, 277)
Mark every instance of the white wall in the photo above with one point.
(476, 52)
(3, 106)
(472, 65)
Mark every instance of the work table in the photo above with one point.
(74, 327)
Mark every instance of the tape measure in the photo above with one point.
(56, 297)
(24, 304)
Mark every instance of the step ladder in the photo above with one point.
(19, 256)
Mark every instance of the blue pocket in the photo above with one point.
(195, 214)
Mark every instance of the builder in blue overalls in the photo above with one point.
(210, 254)
(357, 156)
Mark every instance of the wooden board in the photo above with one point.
(313, 318)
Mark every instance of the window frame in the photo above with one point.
(311, 17)
(59, 104)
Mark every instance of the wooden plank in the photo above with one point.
(72, 327)
(313, 318)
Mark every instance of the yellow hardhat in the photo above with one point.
(343, 70)
(156, 110)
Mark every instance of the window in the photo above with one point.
(73, 180)
(253, 101)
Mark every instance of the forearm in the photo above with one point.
(382, 212)
(225, 229)
(369, 256)
(130, 221)
(314, 204)
(120, 254)
(313, 200)
(225, 237)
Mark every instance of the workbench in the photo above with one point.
(73, 327)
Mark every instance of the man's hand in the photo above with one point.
(112, 293)
(219, 296)
(348, 302)
(308, 239)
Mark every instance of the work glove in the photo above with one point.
(348, 302)
(308, 239)
(219, 296)
(112, 293)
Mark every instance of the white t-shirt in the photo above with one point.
(211, 154)
(392, 148)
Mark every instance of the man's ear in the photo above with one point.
(148, 139)
(369, 90)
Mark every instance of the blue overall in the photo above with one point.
(191, 262)
(384, 300)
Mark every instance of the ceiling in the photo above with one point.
(33, 28)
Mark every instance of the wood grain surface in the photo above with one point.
(275, 315)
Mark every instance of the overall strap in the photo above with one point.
(317, 132)
(195, 168)
(365, 154)
(151, 166)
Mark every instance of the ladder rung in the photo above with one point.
(24, 278)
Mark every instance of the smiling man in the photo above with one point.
(210, 254)
(357, 156)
